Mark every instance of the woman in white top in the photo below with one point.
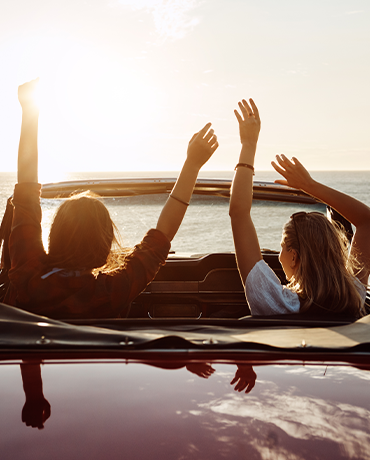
(323, 275)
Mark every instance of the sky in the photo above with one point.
(124, 84)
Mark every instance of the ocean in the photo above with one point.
(206, 227)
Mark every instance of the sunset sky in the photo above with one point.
(125, 83)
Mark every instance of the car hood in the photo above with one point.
(169, 390)
(128, 409)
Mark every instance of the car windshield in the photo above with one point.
(206, 227)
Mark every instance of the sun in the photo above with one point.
(87, 94)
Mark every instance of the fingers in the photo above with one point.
(211, 139)
(284, 164)
(281, 182)
(241, 385)
(255, 110)
(278, 168)
(214, 146)
(203, 131)
(249, 112)
(245, 109)
(239, 118)
(251, 385)
(248, 108)
(297, 162)
(284, 161)
(209, 135)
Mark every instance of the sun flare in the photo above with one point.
(90, 97)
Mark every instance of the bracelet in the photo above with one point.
(245, 165)
(178, 199)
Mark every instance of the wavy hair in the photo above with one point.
(84, 237)
(325, 278)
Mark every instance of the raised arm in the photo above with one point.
(247, 248)
(353, 210)
(27, 152)
(200, 149)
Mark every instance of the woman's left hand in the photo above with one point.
(26, 94)
(295, 174)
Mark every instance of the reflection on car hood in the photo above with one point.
(121, 409)
(155, 389)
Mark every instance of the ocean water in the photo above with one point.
(206, 227)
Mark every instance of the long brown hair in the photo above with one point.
(325, 278)
(84, 237)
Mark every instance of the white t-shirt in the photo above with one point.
(267, 296)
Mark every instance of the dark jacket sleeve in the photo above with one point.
(26, 250)
(141, 267)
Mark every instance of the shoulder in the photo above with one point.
(265, 293)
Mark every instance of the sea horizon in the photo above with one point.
(206, 227)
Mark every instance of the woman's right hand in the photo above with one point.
(249, 122)
(202, 146)
(295, 174)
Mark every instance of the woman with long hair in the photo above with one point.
(84, 274)
(325, 276)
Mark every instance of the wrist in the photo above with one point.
(191, 166)
(310, 186)
(30, 113)
(247, 154)
(249, 143)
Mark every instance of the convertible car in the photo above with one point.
(190, 374)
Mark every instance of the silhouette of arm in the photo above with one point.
(27, 152)
(36, 409)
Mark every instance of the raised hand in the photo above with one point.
(26, 94)
(202, 146)
(249, 122)
(295, 174)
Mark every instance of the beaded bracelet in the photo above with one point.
(180, 201)
(245, 165)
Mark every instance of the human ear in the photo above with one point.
(294, 258)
